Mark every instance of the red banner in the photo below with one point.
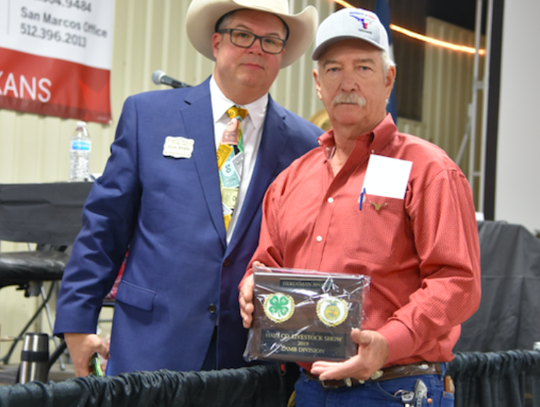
(53, 87)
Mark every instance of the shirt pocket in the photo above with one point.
(380, 231)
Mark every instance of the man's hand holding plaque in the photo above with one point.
(301, 315)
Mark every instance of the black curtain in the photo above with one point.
(496, 379)
(258, 386)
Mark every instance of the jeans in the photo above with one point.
(385, 393)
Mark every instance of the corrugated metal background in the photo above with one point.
(448, 81)
(448, 78)
(150, 35)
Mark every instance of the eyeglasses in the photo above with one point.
(245, 39)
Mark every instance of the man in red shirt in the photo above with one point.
(377, 202)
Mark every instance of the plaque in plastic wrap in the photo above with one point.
(304, 315)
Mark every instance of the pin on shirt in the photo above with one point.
(378, 206)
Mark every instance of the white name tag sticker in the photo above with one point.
(178, 147)
(387, 177)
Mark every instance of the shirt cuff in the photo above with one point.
(400, 341)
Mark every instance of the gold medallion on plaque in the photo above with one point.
(332, 311)
(279, 307)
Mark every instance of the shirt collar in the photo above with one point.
(385, 131)
(220, 104)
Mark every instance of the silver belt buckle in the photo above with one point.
(326, 386)
(377, 375)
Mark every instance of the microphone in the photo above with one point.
(160, 78)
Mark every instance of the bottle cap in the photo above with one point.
(81, 124)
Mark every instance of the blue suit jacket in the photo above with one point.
(181, 276)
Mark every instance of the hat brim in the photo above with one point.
(202, 16)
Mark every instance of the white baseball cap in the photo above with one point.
(350, 23)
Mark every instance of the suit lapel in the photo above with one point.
(273, 142)
(199, 123)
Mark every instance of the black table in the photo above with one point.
(48, 213)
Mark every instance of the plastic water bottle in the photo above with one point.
(79, 157)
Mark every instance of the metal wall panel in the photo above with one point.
(149, 35)
(410, 126)
(448, 84)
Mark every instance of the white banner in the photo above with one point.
(56, 56)
(72, 30)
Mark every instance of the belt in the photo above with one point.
(389, 373)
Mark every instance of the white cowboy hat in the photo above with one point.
(202, 16)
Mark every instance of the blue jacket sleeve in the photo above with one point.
(108, 222)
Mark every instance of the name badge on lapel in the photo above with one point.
(178, 147)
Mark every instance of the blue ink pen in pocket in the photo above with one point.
(362, 198)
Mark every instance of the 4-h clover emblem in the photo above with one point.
(332, 311)
(278, 307)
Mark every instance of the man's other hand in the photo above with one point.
(245, 298)
(372, 355)
(82, 348)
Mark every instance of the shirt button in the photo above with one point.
(319, 238)
(226, 263)
(330, 200)
(212, 309)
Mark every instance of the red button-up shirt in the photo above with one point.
(421, 252)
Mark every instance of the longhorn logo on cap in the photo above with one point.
(359, 17)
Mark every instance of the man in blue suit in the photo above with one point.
(176, 305)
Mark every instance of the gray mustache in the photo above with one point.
(350, 98)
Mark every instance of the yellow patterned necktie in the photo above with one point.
(230, 157)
